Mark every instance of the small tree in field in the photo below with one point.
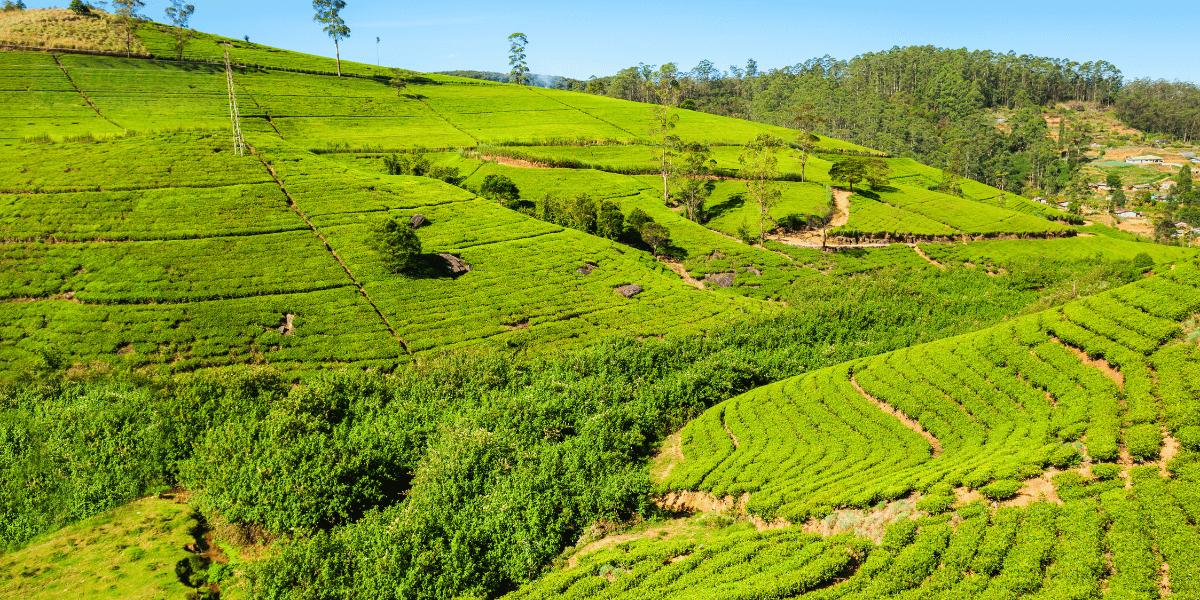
(328, 14)
(180, 13)
(849, 171)
(760, 169)
(694, 168)
(79, 7)
(396, 243)
(499, 188)
(655, 235)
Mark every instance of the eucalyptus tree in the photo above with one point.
(328, 14)
(179, 14)
(805, 118)
(516, 59)
(663, 120)
(760, 169)
(127, 15)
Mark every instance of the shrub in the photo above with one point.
(899, 535)
(1144, 441)
(1189, 437)
(1105, 471)
(1065, 456)
(1001, 490)
(935, 504)
(396, 243)
(18, 5)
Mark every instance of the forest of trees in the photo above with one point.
(977, 114)
(1169, 108)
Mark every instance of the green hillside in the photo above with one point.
(178, 315)
(987, 415)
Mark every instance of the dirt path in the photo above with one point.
(842, 198)
(1100, 364)
(682, 272)
(512, 162)
(905, 419)
(926, 257)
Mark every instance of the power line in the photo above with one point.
(239, 142)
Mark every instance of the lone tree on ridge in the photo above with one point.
(516, 59)
(180, 13)
(327, 15)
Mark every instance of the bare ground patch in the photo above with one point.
(866, 523)
(669, 455)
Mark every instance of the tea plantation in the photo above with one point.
(181, 322)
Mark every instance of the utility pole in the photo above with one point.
(239, 142)
(377, 52)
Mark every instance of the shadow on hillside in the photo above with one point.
(732, 204)
(429, 266)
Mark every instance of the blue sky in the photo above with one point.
(1157, 40)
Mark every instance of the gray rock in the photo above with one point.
(629, 291)
(586, 269)
(418, 221)
(455, 264)
(720, 279)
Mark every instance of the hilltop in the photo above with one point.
(579, 384)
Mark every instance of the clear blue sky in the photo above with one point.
(1144, 39)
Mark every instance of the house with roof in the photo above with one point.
(1144, 159)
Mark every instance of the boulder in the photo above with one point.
(629, 291)
(586, 269)
(418, 221)
(720, 279)
(455, 264)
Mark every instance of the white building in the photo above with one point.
(1145, 159)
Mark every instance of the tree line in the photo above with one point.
(976, 114)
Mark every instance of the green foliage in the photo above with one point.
(655, 235)
(1144, 441)
(899, 535)
(1001, 490)
(936, 504)
(1105, 471)
(76, 6)
(610, 222)
(637, 218)
(396, 243)
(499, 188)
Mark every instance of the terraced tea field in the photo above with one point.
(487, 379)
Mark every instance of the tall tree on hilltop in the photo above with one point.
(328, 14)
(516, 59)
(805, 119)
(180, 13)
(760, 169)
(127, 15)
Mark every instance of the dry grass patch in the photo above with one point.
(61, 28)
